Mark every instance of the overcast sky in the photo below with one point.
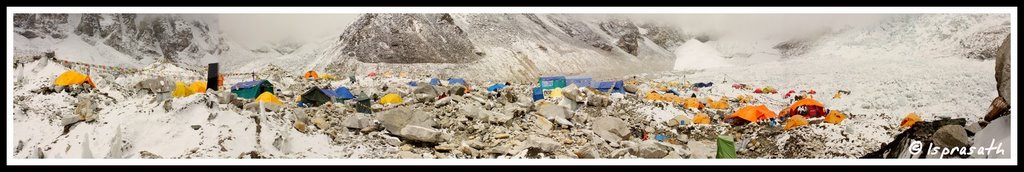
(271, 27)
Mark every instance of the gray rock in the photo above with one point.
(563, 122)
(420, 133)
(393, 141)
(610, 128)
(951, 136)
(630, 88)
(544, 125)
(599, 100)
(672, 155)
(196, 127)
(409, 155)
(551, 111)
(357, 121)
(543, 143)
(589, 153)
(396, 119)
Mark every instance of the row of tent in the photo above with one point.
(555, 83)
(798, 112)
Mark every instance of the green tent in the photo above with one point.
(726, 147)
(551, 82)
(251, 89)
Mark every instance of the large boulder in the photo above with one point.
(395, 119)
(1003, 69)
(552, 111)
(951, 136)
(610, 128)
(420, 133)
(650, 149)
(543, 143)
(357, 121)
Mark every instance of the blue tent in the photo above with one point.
(343, 93)
(496, 87)
(435, 81)
(453, 81)
(538, 93)
(412, 83)
(579, 80)
(614, 86)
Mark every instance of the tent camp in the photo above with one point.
(314, 97)
(610, 86)
(252, 89)
(580, 80)
(496, 87)
(453, 81)
(551, 82)
(750, 114)
(343, 93)
(435, 81)
(812, 108)
(198, 86)
(311, 74)
(73, 78)
(181, 89)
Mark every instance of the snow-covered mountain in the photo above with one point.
(137, 39)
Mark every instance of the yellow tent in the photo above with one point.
(73, 78)
(387, 74)
(795, 121)
(834, 117)
(198, 86)
(268, 97)
(326, 76)
(673, 84)
(311, 74)
(181, 90)
(721, 104)
(557, 92)
(662, 87)
(653, 96)
(391, 98)
(910, 120)
(671, 98)
(745, 98)
(403, 74)
(701, 118)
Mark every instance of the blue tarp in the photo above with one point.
(343, 93)
(615, 86)
(580, 80)
(435, 81)
(552, 82)
(248, 84)
(538, 93)
(453, 81)
(495, 87)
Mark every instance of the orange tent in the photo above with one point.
(834, 117)
(672, 98)
(795, 121)
(692, 103)
(753, 113)
(73, 78)
(720, 104)
(802, 102)
(910, 120)
(311, 74)
(653, 96)
(701, 118)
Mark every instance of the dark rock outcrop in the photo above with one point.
(408, 38)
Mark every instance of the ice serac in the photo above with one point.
(408, 38)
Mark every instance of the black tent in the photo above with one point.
(314, 97)
(363, 103)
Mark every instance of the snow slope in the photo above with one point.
(696, 55)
